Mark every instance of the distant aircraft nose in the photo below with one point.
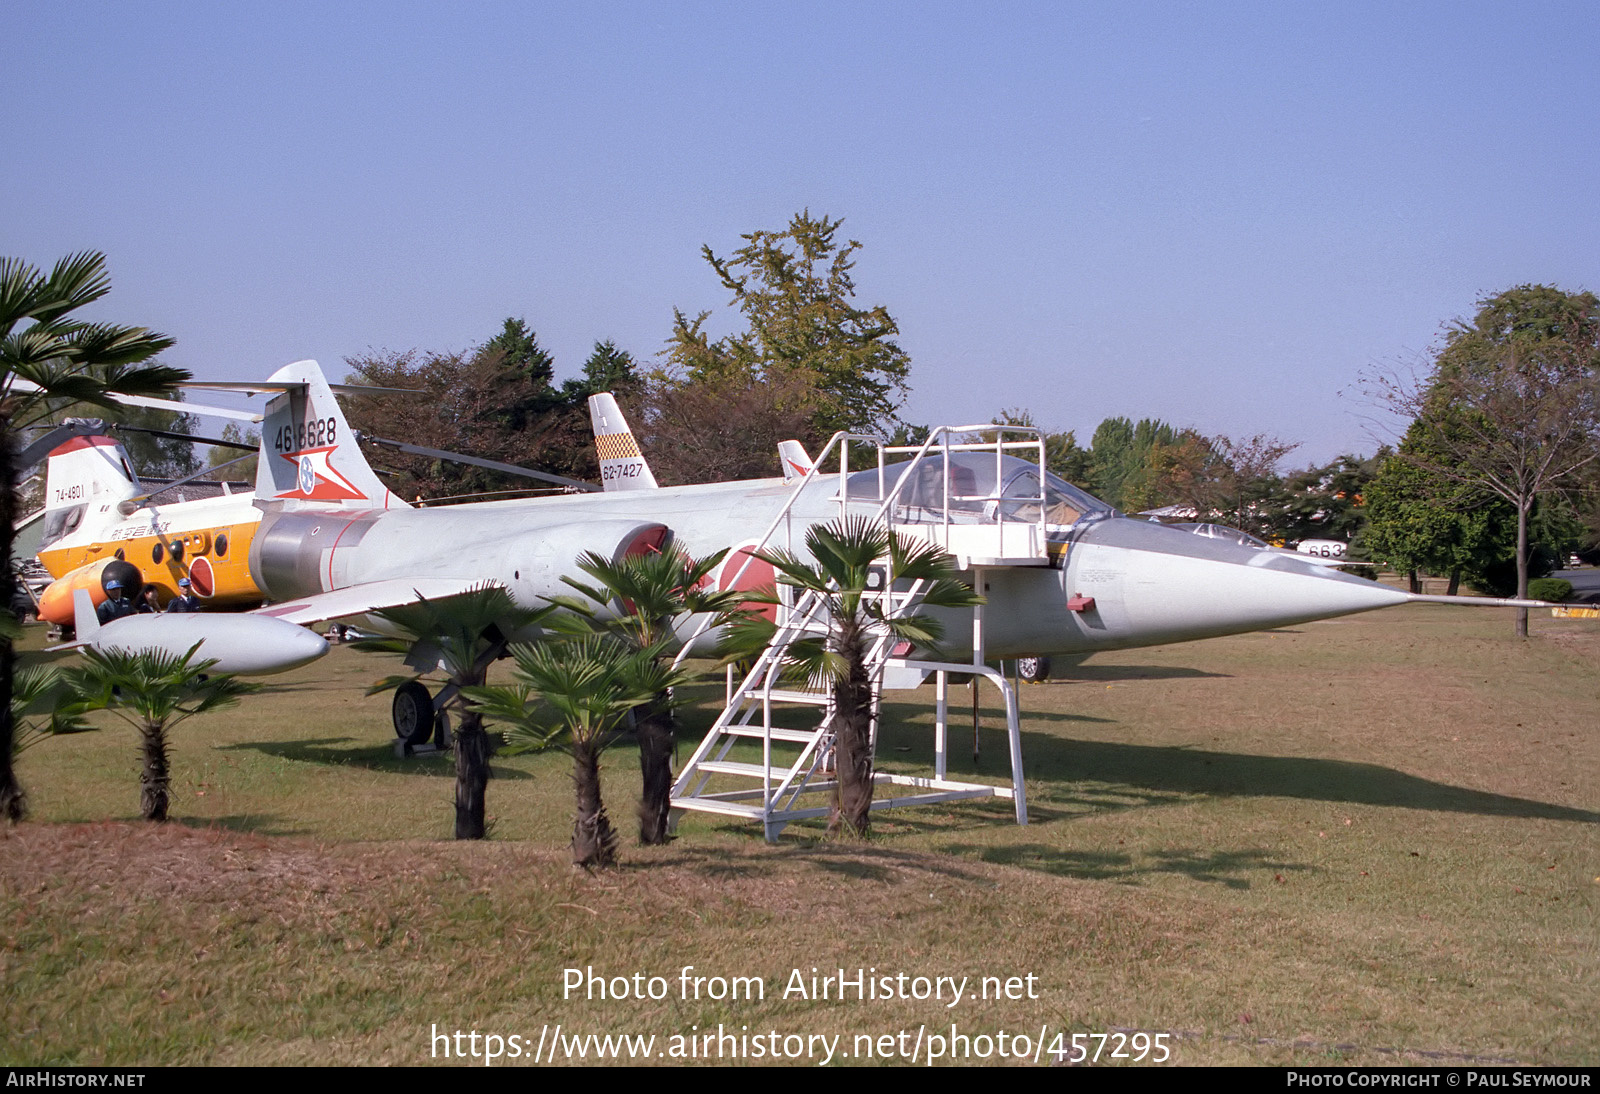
(1154, 584)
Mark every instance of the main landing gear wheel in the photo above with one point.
(1035, 670)
(413, 713)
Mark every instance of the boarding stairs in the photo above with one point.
(793, 726)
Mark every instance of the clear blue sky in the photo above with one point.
(1217, 214)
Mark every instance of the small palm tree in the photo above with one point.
(592, 682)
(43, 704)
(460, 636)
(47, 357)
(153, 692)
(845, 553)
(638, 600)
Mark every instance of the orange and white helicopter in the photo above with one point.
(101, 523)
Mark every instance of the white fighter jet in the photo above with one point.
(334, 542)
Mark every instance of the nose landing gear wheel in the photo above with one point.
(1035, 670)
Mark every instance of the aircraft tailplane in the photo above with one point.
(85, 622)
(622, 465)
(309, 456)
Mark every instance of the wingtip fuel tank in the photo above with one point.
(246, 645)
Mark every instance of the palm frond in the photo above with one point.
(593, 681)
(846, 549)
(389, 683)
(153, 687)
(44, 704)
(639, 597)
(75, 281)
(17, 292)
(512, 706)
(459, 632)
(112, 349)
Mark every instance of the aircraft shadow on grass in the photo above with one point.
(1163, 771)
(1106, 776)
(1100, 673)
(1216, 867)
(1098, 776)
(337, 752)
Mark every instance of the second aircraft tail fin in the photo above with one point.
(622, 465)
(792, 455)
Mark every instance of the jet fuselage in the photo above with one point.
(1119, 583)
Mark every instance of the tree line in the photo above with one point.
(1494, 481)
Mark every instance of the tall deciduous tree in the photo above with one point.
(1249, 493)
(797, 295)
(498, 402)
(49, 357)
(1512, 406)
(725, 427)
(1120, 460)
(1419, 521)
(1329, 501)
(1062, 456)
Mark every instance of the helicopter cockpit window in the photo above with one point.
(62, 522)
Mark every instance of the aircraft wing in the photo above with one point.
(369, 597)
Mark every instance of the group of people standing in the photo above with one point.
(117, 604)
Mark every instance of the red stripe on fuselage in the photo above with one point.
(335, 547)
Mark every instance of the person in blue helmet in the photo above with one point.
(185, 601)
(116, 604)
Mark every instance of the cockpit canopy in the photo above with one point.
(977, 487)
(1224, 532)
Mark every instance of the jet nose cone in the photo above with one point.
(1173, 585)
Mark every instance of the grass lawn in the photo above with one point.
(1369, 840)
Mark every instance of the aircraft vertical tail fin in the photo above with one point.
(309, 455)
(622, 465)
(792, 455)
